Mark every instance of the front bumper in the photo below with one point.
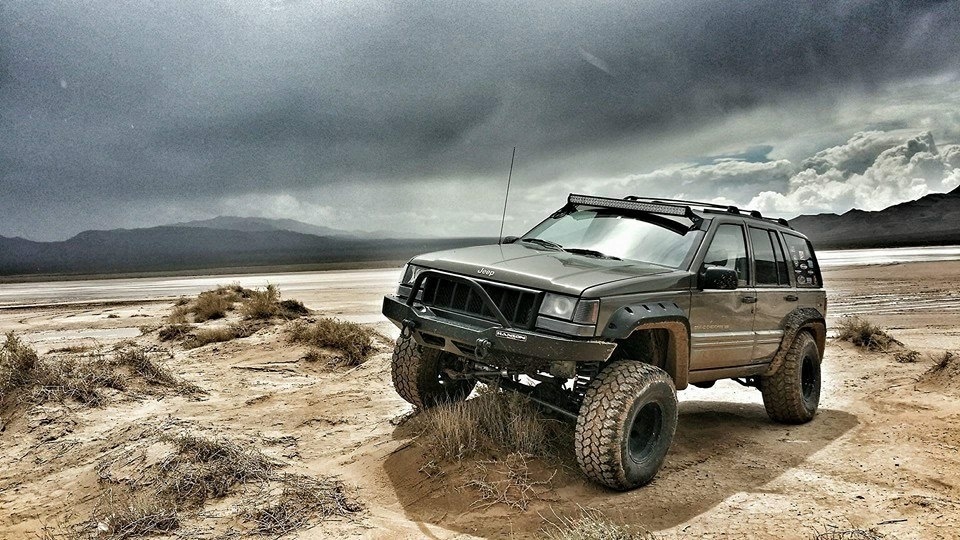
(498, 345)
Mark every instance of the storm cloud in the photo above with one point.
(127, 114)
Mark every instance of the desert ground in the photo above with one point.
(881, 459)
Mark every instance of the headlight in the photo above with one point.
(558, 306)
(410, 273)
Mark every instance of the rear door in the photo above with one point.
(721, 321)
(775, 295)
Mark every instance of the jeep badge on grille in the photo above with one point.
(486, 272)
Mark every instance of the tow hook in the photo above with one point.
(482, 348)
(408, 327)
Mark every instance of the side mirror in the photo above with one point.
(718, 277)
(509, 239)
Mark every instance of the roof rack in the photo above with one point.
(672, 207)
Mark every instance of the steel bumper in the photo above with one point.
(481, 343)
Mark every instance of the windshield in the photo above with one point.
(611, 234)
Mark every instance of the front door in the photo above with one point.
(721, 321)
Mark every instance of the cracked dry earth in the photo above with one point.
(883, 452)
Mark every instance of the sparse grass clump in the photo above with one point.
(493, 422)
(301, 498)
(207, 467)
(18, 361)
(122, 513)
(353, 340)
(591, 525)
(172, 332)
(865, 334)
(218, 335)
(254, 304)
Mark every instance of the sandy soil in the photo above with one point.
(882, 453)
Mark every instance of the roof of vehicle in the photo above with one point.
(696, 211)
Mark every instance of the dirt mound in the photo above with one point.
(944, 374)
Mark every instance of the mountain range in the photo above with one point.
(930, 220)
(230, 241)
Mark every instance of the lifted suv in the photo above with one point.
(605, 309)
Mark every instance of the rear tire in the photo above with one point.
(792, 394)
(626, 424)
(418, 375)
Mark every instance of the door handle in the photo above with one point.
(748, 299)
(791, 298)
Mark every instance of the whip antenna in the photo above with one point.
(507, 195)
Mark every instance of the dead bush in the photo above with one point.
(942, 362)
(292, 309)
(219, 335)
(301, 498)
(353, 340)
(508, 481)
(207, 467)
(178, 316)
(172, 332)
(210, 305)
(852, 534)
(591, 525)
(122, 513)
(865, 334)
(262, 304)
(493, 422)
(907, 357)
(18, 361)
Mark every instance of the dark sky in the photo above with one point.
(401, 115)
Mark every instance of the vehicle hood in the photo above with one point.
(535, 267)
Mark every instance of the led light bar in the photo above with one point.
(606, 202)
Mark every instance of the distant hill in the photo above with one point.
(197, 247)
(252, 224)
(930, 220)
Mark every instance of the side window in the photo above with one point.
(804, 267)
(764, 260)
(783, 274)
(729, 249)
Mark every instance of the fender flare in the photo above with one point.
(796, 321)
(651, 315)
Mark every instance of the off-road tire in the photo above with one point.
(626, 392)
(792, 394)
(418, 378)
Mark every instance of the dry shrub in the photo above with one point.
(865, 334)
(508, 481)
(207, 467)
(18, 361)
(293, 308)
(219, 335)
(852, 534)
(354, 340)
(122, 513)
(80, 380)
(908, 356)
(300, 499)
(178, 317)
(73, 349)
(141, 362)
(172, 332)
(942, 362)
(210, 305)
(262, 304)
(591, 525)
(493, 422)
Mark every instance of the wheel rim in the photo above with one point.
(645, 431)
(808, 379)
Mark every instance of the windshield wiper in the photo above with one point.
(544, 243)
(592, 253)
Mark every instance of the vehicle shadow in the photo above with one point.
(720, 449)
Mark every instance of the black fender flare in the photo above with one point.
(796, 321)
(666, 315)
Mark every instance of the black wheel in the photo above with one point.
(792, 394)
(626, 424)
(419, 378)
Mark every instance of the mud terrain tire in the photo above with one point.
(418, 378)
(626, 424)
(791, 395)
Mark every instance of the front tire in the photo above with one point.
(626, 424)
(792, 394)
(418, 375)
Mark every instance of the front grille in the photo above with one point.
(518, 306)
